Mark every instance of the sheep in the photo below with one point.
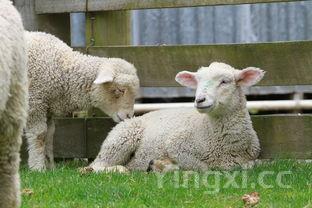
(13, 102)
(63, 81)
(217, 134)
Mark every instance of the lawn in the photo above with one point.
(280, 184)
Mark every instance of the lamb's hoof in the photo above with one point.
(116, 169)
(50, 165)
(111, 169)
(85, 170)
(163, 166)
(38, 168)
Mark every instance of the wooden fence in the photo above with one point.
(108, 34)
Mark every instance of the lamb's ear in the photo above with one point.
(104, 77)
(249, 76)
(187, 79)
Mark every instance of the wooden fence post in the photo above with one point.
(105, 29)
(108, 28)
(56, 24)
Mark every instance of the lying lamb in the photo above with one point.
(13, 102)
(219, 134)
(63, 81)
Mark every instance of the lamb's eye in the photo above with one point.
(225, 81)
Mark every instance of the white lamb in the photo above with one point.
(219, 134)
(13, 102)
(63, 81)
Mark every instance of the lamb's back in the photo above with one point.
(46, 60)
(171, 124)
(172, 118)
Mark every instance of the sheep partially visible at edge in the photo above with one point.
(218, 134)
(63, 81)
(13, 102)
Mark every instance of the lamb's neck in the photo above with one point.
(238, 116)
(80, 78)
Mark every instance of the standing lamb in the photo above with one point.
(219, 134)
(63, 81)
(13, 102)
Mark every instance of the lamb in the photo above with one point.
(217, 134)
(63, 81)
(13, 102)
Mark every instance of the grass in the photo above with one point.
(65, 187)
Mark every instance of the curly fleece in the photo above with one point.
(196, 141)
(63, 81)
(13, 102)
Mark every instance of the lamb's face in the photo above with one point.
(218, 87)
(114, 91)
(115, 100)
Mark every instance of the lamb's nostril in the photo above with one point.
(129, 115)
(200, 100)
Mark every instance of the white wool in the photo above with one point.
(63, 81)
(13, 102)
(217, 135)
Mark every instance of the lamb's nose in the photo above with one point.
(200, 100)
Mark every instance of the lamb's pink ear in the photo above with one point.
(104, 77)
(249, 76)
(187, 79)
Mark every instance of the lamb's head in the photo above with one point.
(219, 86)
(115, 88)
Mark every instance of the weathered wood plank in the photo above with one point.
(108, 28)
(286, 63)
(56, 24)
(281, 136)
(70, 138)
(27, 11)
(284, 136)
(97, 130)
(61, 6)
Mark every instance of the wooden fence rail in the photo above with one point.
(282, 136)
(288, 63)
(63, 6)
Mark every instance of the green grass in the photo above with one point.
(64, 187)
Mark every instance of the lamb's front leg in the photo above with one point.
(184, 155)
(187, 161)
(118, 147)
(36, 137)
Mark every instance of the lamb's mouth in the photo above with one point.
(204, 107)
